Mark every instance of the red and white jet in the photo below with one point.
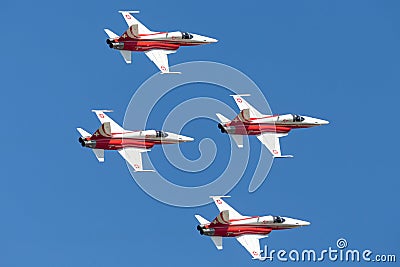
(156, 45)
(129, 144)
(248, 230)
(267, 128)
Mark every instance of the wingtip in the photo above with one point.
(241, 95)
(129, 11)
(102, 110)
(171, 72)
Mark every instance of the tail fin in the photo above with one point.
(103, 131)
(222, 119)
(201, 219)
(99, 153)
(132, 33)
(222, 218)
(243, 116)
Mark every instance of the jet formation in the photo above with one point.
(156, 45)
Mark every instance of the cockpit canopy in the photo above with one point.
(278, 219)
(297, 118)
(186, 35)
(161, 134)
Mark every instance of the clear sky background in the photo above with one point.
(337, 60)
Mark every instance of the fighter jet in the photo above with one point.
(129, 144)
(156, 45)
(267, 128)
(246, 229)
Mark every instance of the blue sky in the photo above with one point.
(337, 60)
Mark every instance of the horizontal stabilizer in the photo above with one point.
(238, 140)
(111, 34)
(83, 132)
(217, 240)
(284, 156)
(201, 219)
(127, 55)
(99, 153)
(222, 118)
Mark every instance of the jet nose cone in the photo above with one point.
(302, 223)
(322, 122)
(183, 138)
(317, 121)
(204, 39)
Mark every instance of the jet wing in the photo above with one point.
(251, 244)
(271, 141)
(242, 104)
(115, 128)
(131, 20)
(134, 157)
(160, 58)
(223, 206)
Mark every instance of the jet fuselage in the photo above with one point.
(138, 139)
(274, 123)
(257, 225)
(158, 40)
